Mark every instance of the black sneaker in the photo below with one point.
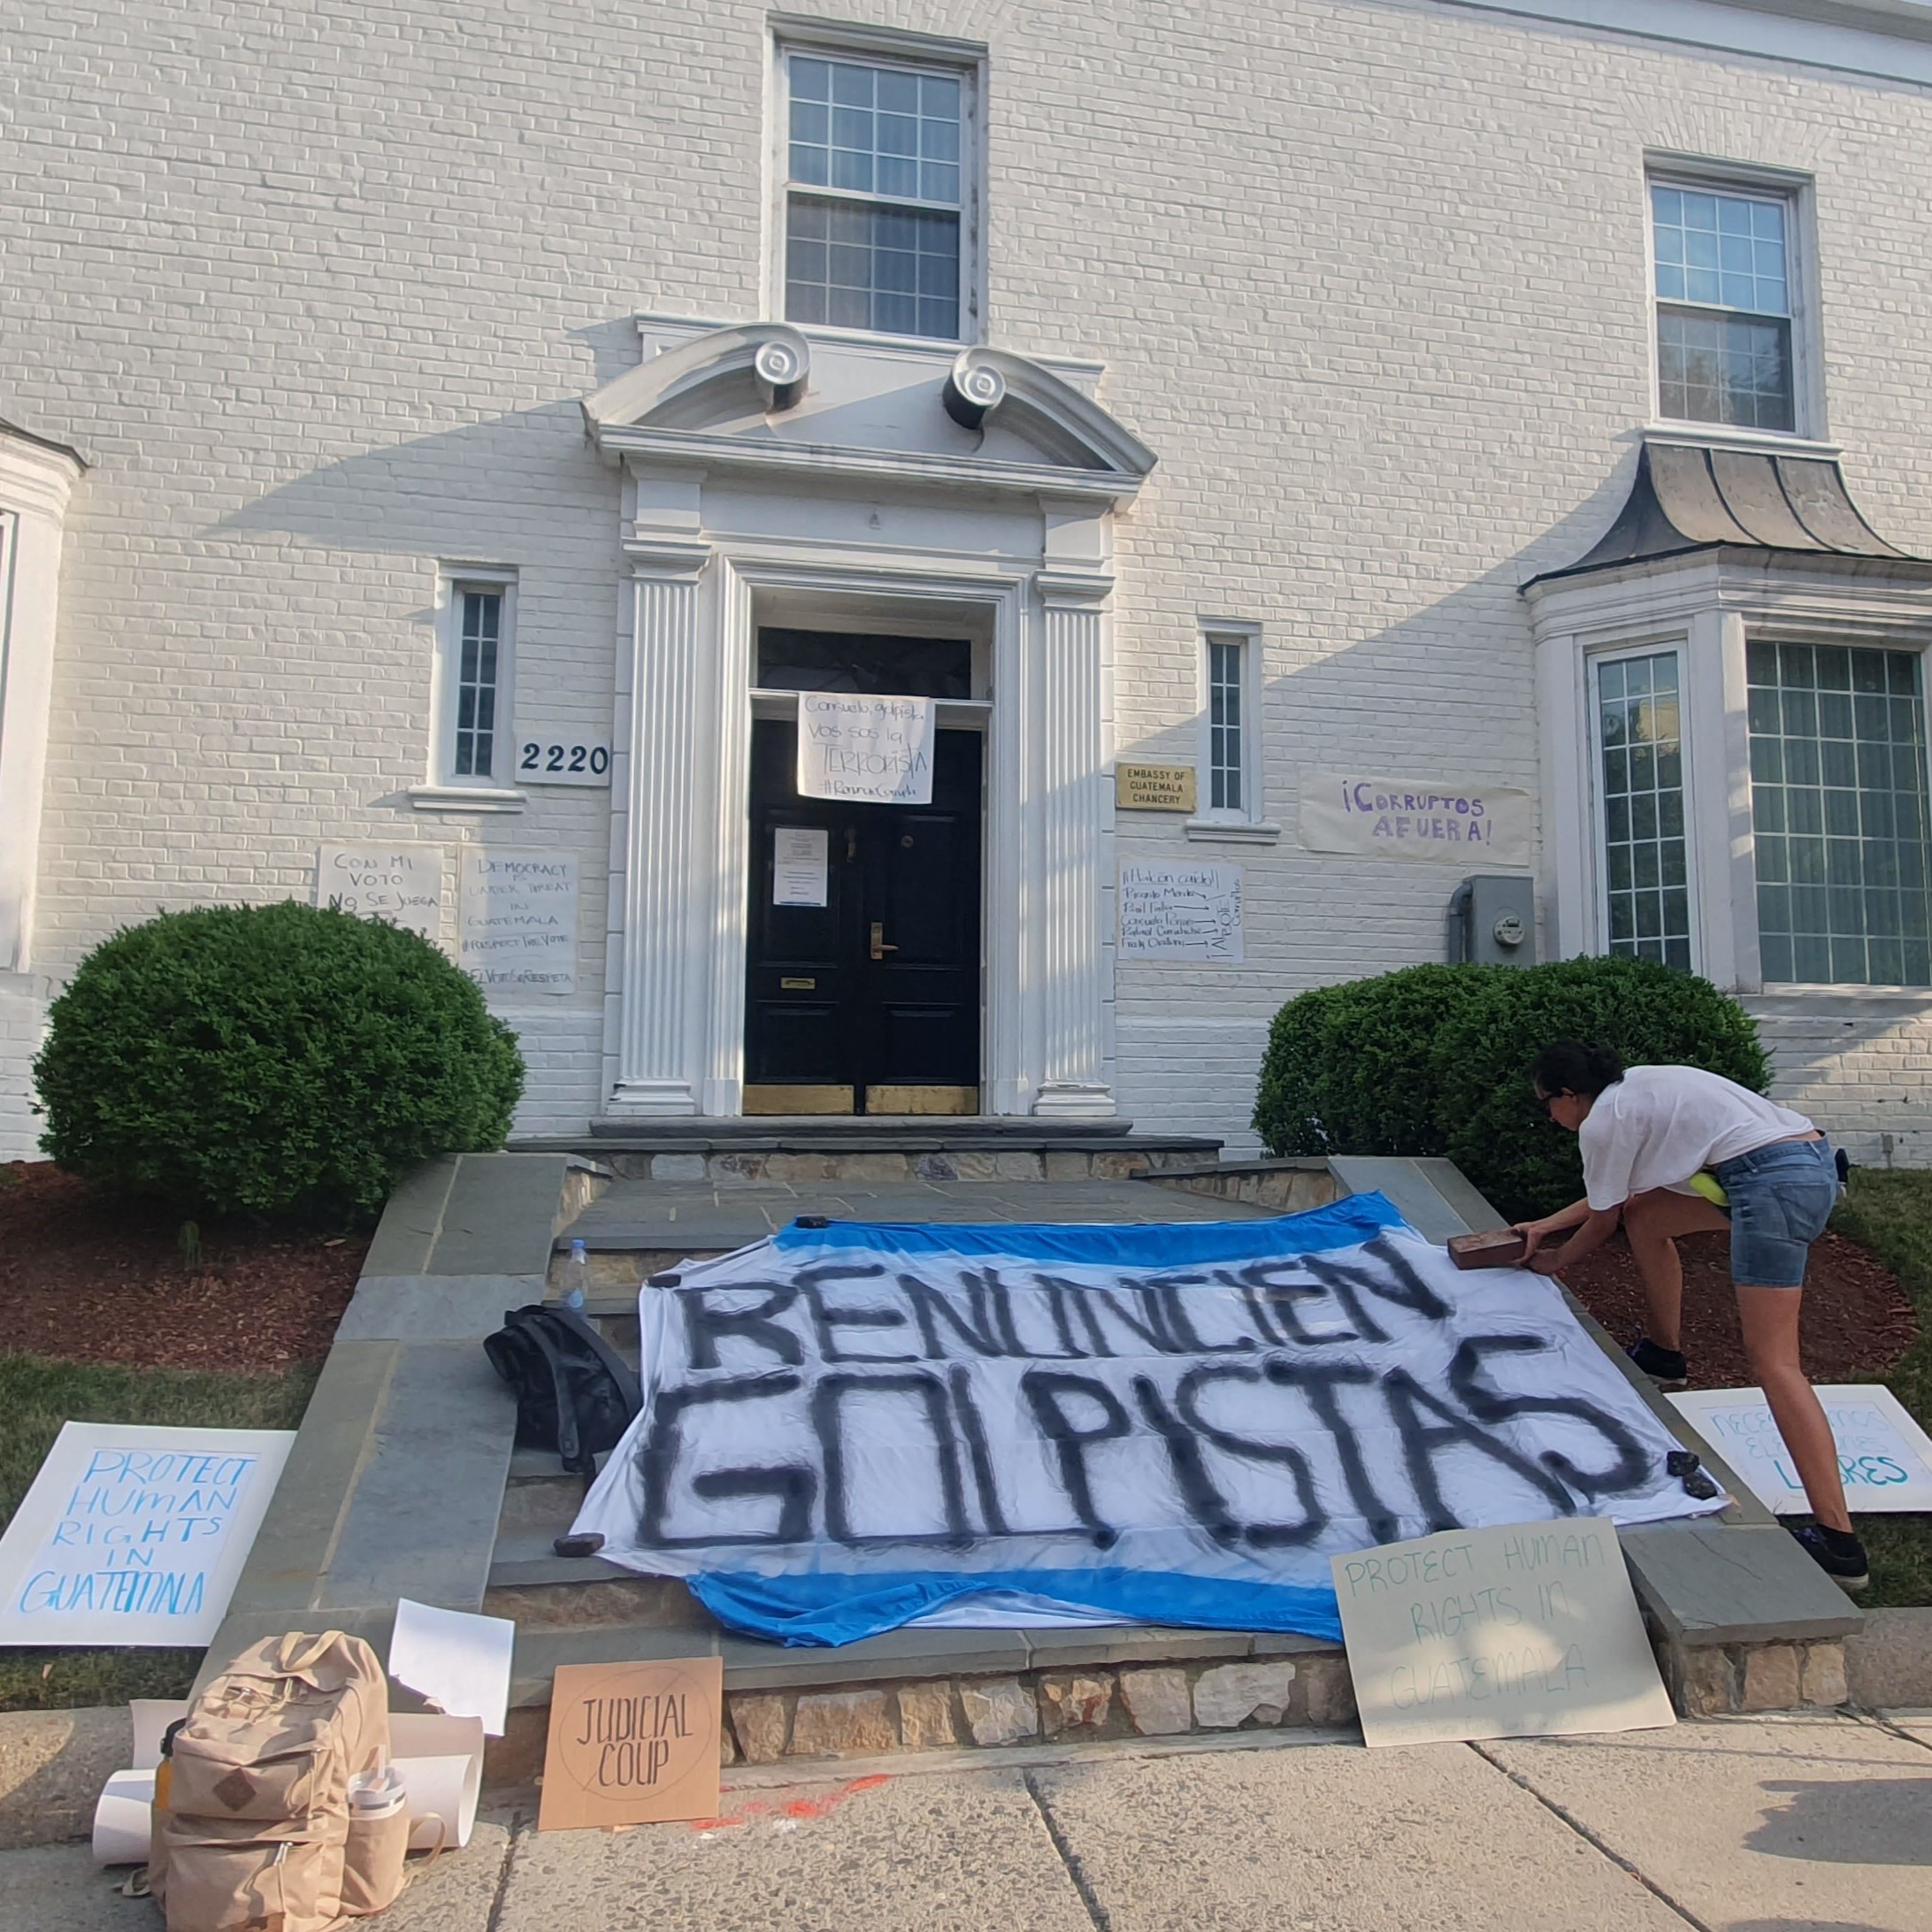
(1837, 1552)
(1665, 1367)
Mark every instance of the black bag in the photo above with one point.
(575, 1393)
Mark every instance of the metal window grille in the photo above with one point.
(1226, 663)
(478, 651)
(1723, 309)
(874, 193)
(1645, 868)
(1842, 834)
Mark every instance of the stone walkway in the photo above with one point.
(1800, 1825)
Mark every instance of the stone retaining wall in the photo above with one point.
(753, 1167)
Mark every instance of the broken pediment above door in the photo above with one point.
(767, 395)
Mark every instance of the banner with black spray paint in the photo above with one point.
(847, 1427)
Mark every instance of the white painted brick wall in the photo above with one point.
(316, 290)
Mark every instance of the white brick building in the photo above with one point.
(385, 373)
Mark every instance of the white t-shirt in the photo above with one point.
(1658, 1125)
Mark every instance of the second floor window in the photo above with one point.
(1723, 276)
(875, 193)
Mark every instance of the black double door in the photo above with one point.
(870, 1002)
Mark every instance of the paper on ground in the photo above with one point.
(459, 1662)
(1884, 1457)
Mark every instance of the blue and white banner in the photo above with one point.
(849, 1427)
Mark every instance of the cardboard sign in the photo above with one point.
(1153, 787)
(133, 1535)
(1181, 912)
(402, 883)
(633, 1743)
(878, 750)
(1884, 1457)
(1526, 1631)
(1483, 825)
(800, 865)
(517, 930)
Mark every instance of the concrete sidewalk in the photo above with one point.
(1777, 1824)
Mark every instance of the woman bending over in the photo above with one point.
(1654, 1140)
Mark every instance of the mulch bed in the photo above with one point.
(85, 1276)
(1855, 1324)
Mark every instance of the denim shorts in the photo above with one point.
(1781, 1197)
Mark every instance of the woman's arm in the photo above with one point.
(1595, 1228)
(1561, 1222)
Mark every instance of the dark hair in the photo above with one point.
(1568, 1066)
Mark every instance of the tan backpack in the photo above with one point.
(254, 1832)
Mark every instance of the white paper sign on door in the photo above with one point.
(402, 883)
(1523, 1630)
(1883, 1456)
(518, 927)
(800, 865)
(872, 750)
(1181, 912)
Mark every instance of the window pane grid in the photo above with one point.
(1225, 665)
(1646, 878)
(858, 266)
(478, 637)
(1840, 812)
(1723, 316)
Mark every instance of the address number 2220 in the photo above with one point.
(562, 765)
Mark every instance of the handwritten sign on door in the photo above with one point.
(402, 883)
(1169, 911)
(518, 933)
(872, 750)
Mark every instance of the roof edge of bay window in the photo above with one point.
(875, 182)
(1788, 198)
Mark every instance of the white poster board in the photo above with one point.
(1407, 818)
(1169, 911)
(402, 883)
(1883, 1456)
(1523, 1630)
(518, 933)
(876, 750)
(801, 865)
(133, 1535)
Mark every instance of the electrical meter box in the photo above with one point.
(1492, 921)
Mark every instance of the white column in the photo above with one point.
(662, 887)
(1067, 958)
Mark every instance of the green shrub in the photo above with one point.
(1434, 1060)
(270, 1058)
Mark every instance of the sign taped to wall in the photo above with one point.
(1181, 912)
(131, 1535)
(850, 1427)
(868, 750)
(1884, 1457)
(517, 932)
(402, 883)
(1414, 819)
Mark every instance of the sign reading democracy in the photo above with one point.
(847, 1428)
(867, 749)
(1515, 1631)
(1884, 1457)
(133, 1535)
(1410, 818)
(518, 925)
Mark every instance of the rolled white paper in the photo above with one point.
(121, 1816)
(441, 1760)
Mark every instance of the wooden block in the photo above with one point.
(1500, 1248)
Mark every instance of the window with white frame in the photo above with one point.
(1841, 821)
(473, 699)
(1643, 859)
(878, 193)
(1229, 786)
(1723, 272)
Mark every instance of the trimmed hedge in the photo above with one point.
(1435, 1060)
(271, 1058)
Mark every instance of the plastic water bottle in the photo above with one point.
(576, 1277)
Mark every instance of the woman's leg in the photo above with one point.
(1769, 1316)
(1651, 1223)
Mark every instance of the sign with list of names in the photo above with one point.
(402, 883)
(1521, 1630)
(133, 1535)
(1414, 819)
(517, 931)
(800, 865)
(1180, 911)
(1884, 1458)
(868, 750)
